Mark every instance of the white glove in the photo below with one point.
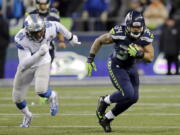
(43, 49)
(75, 41)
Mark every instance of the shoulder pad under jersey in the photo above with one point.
(118, 32)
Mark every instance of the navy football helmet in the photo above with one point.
(135, 24)
(43, 6)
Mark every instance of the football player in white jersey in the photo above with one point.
(33, 43)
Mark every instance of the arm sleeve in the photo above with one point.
(26, 60)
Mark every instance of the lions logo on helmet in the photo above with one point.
(135, 24)
(35, 27)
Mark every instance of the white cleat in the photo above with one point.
(26, 121)
(53, 103)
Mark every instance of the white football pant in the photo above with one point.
(23, 80)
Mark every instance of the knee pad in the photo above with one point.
(17, 96)
(41, 89)
(133, 99)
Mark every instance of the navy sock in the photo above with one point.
(47, 94)
(21, 105)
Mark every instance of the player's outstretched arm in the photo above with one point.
(73, 39)
(61, 43)
(102, 40)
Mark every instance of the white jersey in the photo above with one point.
(27, 47)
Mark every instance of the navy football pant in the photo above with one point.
(126, 81)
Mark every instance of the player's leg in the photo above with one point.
(125, 94)
(42, 87)
(134, 82)
(121, 81)
(52, 51)
(20, 86)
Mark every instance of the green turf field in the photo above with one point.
(156, 113)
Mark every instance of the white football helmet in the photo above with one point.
(35, 27)
(42, 6)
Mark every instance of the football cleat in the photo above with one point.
(105, 123)
(26, 121)
(53, 103)
(101, 108)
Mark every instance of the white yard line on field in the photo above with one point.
(89, 126)
(95, 97)
(93, 114)
(3, 119)
(94, 104)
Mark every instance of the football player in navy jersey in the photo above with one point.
(49, 14)
(132, 41)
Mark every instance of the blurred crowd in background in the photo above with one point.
(102, 15)
(99, 14)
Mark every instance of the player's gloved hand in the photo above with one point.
(134, 51)
(74, 41)
(43, 49)
(90, 65)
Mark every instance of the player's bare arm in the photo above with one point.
(102, 40)
(148, 53)
(61, 39)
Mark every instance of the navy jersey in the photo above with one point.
(122, 41)
(52, 15)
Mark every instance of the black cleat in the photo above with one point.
(105, 123)
(101, 108)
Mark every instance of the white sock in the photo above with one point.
(107, 99)
(52, 94)
(109, 115)
(26, 111)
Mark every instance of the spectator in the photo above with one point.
(62, 6)
(18, 9)
(169, 44)
(1, 3)
(29, 5)
(144, 4)
(113, 13)
(4, 41)
(67, 7)
(136, 5)
(95, 9)
(8, 6)
(155, 14)
(175, 11)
